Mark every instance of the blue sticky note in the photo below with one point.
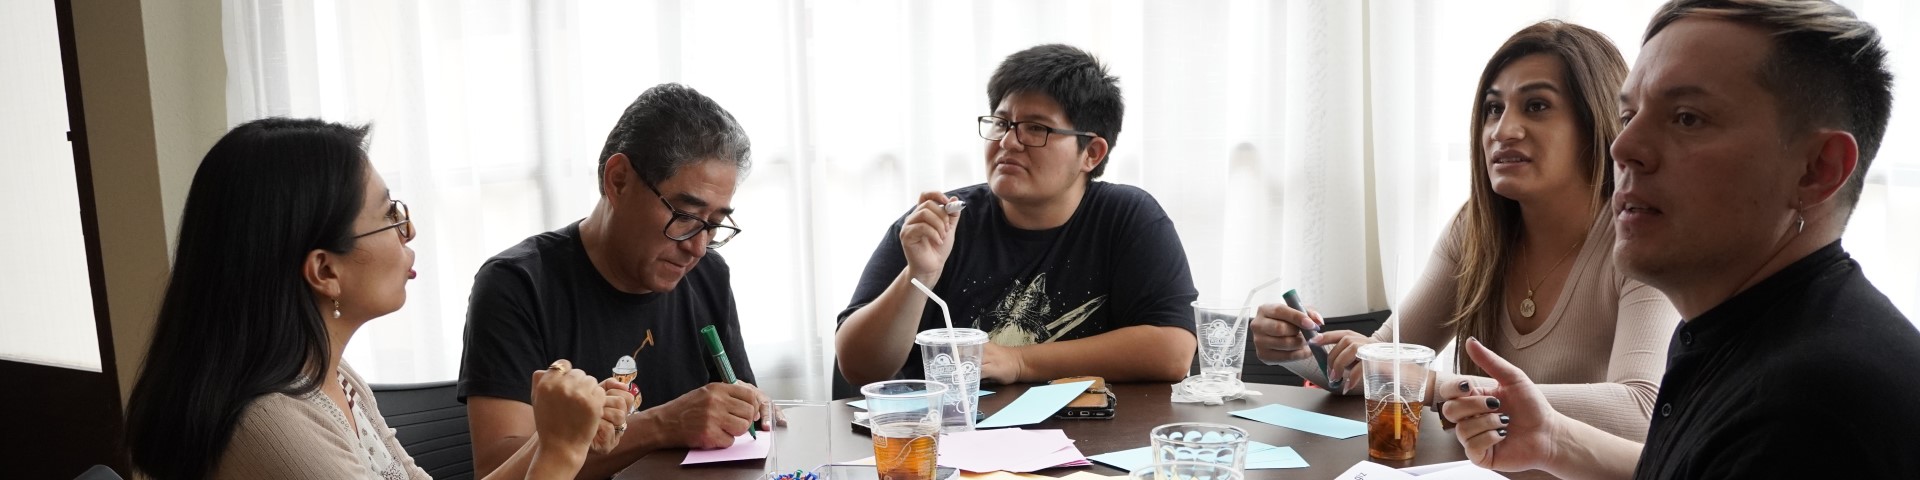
(1035, 405)
(1126, 460)
(1273, 457)
(1260, 456)
(1305, 421)
(862, 404)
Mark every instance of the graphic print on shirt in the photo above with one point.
(1023, 315)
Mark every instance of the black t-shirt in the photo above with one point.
(542, 300)
(1116, 263)
(1808, 374)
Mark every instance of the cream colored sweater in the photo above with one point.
(288, 437)
(1599, 354)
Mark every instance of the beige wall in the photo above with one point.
(152, 78)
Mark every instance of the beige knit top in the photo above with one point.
(307, 436)
(1599, 354)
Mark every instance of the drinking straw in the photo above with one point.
(953, 346)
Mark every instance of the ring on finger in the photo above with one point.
(620, 429)
(557, 366)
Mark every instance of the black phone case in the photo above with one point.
(1083, 413)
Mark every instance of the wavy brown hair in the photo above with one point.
(1594, 71)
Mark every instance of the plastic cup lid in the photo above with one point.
(1388, 352)
(955, 336)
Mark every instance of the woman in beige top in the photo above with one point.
(288, 244)
(1527, 264)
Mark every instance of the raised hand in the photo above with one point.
(926, 237)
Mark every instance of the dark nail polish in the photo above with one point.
(1504, 420)
(1503, 432)
(1493, 403)
(1465, 387)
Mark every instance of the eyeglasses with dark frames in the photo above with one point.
(685, 225)
(402, 221)
(1031, 134)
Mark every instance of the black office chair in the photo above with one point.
(431, 424)
(1253, 370)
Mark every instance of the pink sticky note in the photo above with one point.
(1012, 450)
(745, 447)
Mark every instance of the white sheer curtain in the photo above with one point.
(1323, 142)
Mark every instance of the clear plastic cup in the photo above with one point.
(952, 356)
(1395, 378)
(1186, 471)
(905, 415)
(1222, 332)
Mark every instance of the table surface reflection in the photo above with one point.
(818, 435)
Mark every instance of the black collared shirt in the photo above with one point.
(1811, 373)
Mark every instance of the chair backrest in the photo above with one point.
(431, 424)
(98, 472)
(1253, 370)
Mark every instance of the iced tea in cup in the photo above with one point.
(905, 415)
(952, 356)
(1395, 377)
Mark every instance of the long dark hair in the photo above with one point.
(239, 320)
(1594, 72)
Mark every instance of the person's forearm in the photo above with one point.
(644, 435)
(874, 341)
(554, 460)
(1584, 452)
(1131, 354)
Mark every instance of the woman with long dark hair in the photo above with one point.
(289, 242)
(1527, 264)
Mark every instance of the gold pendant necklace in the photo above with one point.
(1527, 307)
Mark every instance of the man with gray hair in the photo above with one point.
(624, 293)
(1748, 129)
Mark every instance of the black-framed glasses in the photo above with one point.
(686, 225)
(1027, 133)
(402, 221)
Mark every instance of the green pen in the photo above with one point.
(726, 367)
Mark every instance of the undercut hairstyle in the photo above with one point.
(1827, 69)
(1086, 92)
(671, 126)
(238, 319)
(1592, 72)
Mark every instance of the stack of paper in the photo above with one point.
(1012, 450)
(1461, 470)
(1260, 456)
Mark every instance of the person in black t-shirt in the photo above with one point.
(1067, 275)
(1750, 127)
(631, 285)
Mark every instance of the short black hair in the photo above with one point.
(671, 126)
(1827, 68)
(1086, 92)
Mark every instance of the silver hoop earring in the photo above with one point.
(336, 309)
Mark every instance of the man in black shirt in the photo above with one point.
(624, 291)
(1750, 125)
(1068, 276)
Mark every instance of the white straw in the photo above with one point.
(1250, 300)
(953, 346)
(936, 300)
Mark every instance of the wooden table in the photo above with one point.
(1141, 407)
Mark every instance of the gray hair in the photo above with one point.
(671, 126)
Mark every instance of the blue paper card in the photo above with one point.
(1036, 405)
(1260, 456)
(862, 404)
(1305, 421)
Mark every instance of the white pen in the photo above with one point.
(953, 207)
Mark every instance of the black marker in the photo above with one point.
(1292, 298)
